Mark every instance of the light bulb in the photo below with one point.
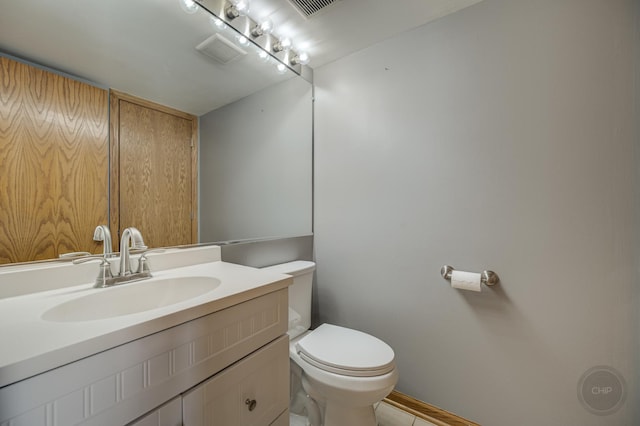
(285, 43)
(281, 68)
(237, 8)
(281, 45)
(266, 27)
(242, 40)
(189, 6)
(242, 6)
(301, 58)
(264, 56)
(218, 23)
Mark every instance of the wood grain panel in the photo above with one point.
(53, 163)
(157, 170)
(426, 411)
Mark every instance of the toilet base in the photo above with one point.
(338, 415)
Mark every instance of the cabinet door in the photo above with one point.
(252, 392)
(170, 414)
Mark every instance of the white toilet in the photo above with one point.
(344, 371)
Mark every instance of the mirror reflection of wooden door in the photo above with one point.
(154, 149)
(53, 163)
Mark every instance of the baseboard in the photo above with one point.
(426, 411)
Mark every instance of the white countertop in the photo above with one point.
(30, 345)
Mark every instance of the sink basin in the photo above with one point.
(131, 298)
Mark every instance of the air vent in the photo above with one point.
(309, 8)
(220, 48)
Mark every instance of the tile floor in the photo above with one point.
(388, 415)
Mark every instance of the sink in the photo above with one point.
(131, 298)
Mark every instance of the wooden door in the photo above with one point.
(154, 171)
(53, 163)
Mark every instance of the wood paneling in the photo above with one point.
(53, 163)
(154, 151)
(426, 411)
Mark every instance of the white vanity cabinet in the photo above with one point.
(207, 367)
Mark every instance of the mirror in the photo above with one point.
(255, 158)
(255, 123)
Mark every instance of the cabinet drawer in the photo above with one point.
(252, 392)
(282, 420)
(170, 414)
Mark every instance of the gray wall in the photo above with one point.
(259, 254)
(255, 165)
(500, 137)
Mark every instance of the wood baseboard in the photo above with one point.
(426, 411)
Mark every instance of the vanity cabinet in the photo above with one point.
(209, 367)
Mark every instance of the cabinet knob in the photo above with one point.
(251, 403)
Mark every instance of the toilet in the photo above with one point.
(342, 371)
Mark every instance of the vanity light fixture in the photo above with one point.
(282, 44)
(301, 58)
(251, 32)
(266, 27)
(237, 8)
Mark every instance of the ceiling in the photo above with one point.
(347, 26)
(147, 47)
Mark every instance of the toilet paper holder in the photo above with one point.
(488, 278)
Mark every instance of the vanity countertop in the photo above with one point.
(31, 345)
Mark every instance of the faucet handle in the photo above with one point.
(143, 266)
(74, 254)
(105, 276)
(91, 258)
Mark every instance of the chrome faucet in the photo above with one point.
(129, 236)
(131, 240)
(102, 233)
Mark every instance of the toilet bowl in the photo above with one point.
(343, 372)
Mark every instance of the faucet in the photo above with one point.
(129, 236)
(102, 233)
(131, 239)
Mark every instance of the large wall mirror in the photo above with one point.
(255, 134)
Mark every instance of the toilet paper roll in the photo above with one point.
(465, 281)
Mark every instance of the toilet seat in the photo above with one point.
(346, 352)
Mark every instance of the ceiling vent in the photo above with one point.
(221, 49)
(309, 8)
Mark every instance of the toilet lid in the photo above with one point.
(345, 351)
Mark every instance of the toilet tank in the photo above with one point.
(299, 294)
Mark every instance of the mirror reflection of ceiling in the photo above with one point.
(147, 47)
(142, 47)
